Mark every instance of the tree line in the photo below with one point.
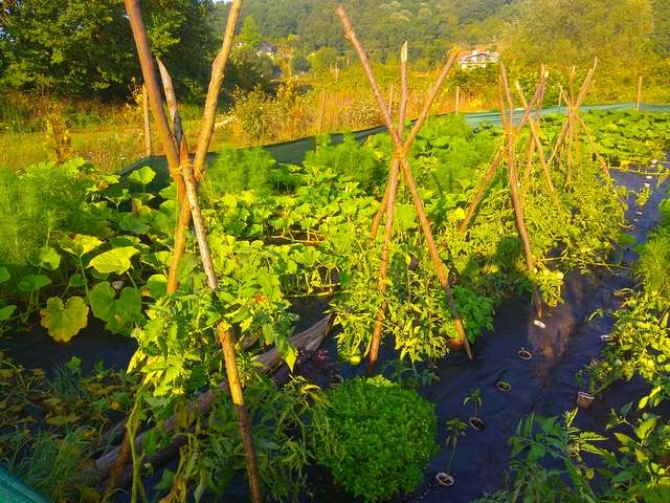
(83, 48)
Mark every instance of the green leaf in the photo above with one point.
(6, 312)
(645, 427)
(64, 321)
(118, 314)
(33, 282)
(79, 244)
(101, 298)
(116, 260)
(76, 280)
(142, 176)
(4, 274)
(157, 285)
(131, 224)
(643, 402)
(47, 258)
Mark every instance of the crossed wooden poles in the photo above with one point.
(401, 164)
(186, 175)
(507, 155)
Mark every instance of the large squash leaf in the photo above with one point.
(64, 321)
(116, 260)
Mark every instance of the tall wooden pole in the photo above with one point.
(226, 340)
(148, 149)
(401, 150)
(392, 184)
(204, 138)
(638, 100)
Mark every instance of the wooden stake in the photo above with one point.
(457, 101)
(510, 135)
(497, 161)
(147, 122)
(170, 149)
(153, 90)
(392, 187)
(535, 134)
(638, 100)
(226, 340)
(401, 152)
(204, 138)
(573, 107)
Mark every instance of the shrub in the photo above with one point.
(238, 170)
(41, 203)
(360, 436)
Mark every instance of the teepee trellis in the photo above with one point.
(501, 154)
(186, 175)
(506, 156)
(401, 150)
(570, 130)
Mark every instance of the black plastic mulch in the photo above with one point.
(544, 384)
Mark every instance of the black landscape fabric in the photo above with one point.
(543, 385)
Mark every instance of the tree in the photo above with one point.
(566, 33)
(661, 37)
(250, 34)
(85, 48)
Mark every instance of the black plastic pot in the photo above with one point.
(477, 423)
(524, 354)
(444, 479)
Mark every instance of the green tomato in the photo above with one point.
(355, 359)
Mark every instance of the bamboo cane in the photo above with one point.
(170, 149)
(153, 90)
(225, 339)
(572, 106)
(401, 152)
(495, 164)
(535, 134)
(510, 135)
(147, 122)
(205, 136)
(392, 185)
(638, 98)
(423, 115)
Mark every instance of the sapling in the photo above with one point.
(475, 397)
(455, 428)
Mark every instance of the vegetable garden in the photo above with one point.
(474, 269)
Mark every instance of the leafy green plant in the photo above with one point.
(237, 170)
(356, 436)
(528, 478)
(455, 429)
(475, 397)
(653, 267)
(213, 455)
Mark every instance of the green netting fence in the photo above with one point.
(293, 152)
(12, 490)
